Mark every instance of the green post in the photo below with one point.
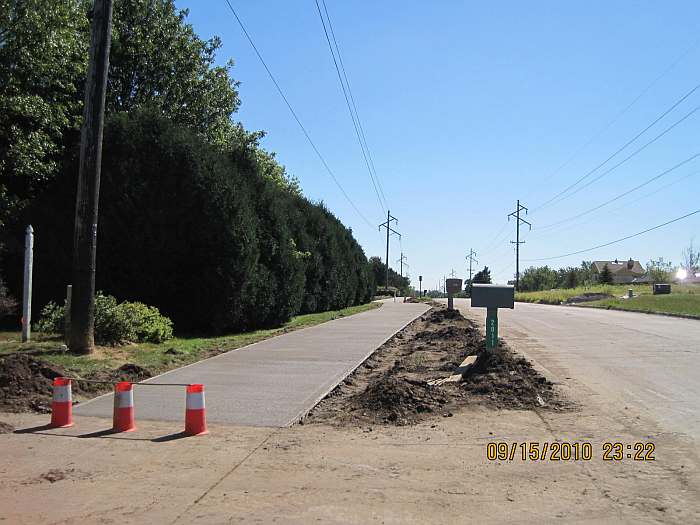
(491, 327)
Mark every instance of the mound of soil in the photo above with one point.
(505, 380)
(588, 296)
(399, 400)
(6, 428)
(26, 383)
(392, 386)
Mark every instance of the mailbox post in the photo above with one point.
(492, 297)
(453, 286)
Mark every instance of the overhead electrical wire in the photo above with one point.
(617, 240)
(634, 153)
(556, 231)
(355, 119)
(296, 118)
(623, 111)
(354, 105)
(617, 152)
(623, 194)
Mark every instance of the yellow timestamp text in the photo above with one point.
(568, 451)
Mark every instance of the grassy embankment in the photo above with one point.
(684, 299)
(159, 358)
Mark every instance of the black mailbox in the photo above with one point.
(453, 285)
(661, 288)
(493, 296)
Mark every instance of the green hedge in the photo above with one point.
(197, 230)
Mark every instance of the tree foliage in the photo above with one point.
(482, 276)
(156, 60)
(378, 271)
(605, 276)
(545, 278)
(43, 57)
(659, 271)
(195, 216)
(199, 232)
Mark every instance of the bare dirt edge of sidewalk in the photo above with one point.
(391, 386)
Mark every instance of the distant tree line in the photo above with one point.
(537, 278)
(378, 270)
(195, 217)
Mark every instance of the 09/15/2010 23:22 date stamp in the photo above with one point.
(569, 451)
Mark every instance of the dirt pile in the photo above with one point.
(392, 386)
(26, 383)
(588, 296)
(505, 380)
(399, 400)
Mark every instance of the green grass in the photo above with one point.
(685, 299)
(687, 304)
(159, 358)
(560, 295)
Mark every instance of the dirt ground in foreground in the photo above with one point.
(394, 385)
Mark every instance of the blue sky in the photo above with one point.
(468, 106)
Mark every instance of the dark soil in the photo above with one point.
(588, 296)
(26, 383)
(391, 387)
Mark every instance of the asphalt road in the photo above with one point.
(273, 382)
(649, 362)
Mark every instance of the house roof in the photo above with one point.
(616, 266)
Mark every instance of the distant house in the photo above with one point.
(622, 272)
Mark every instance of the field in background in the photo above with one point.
(684, 299)
(158, 358)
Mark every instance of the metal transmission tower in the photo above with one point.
(401, 260)
(453, 274)
(517, 241)
(472, 259)
(389, 231)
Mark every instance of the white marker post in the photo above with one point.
(27, 296)
(66, 314)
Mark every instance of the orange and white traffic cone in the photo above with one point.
(123, 418)
(195, 413)
(62, 404)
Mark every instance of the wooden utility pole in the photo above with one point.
(82, 334)
(389, 231)
(517, 241)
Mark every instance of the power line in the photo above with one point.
(347, 103)
(296, 118)
(617, 240)
(625, 193)
(623, 112)
(352, 99)
(634, 153)
(619, 150)
(550, 232)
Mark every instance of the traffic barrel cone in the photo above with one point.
(123, 419)
(62, 404)
(195, 413)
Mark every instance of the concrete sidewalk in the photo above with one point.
(273, 382)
